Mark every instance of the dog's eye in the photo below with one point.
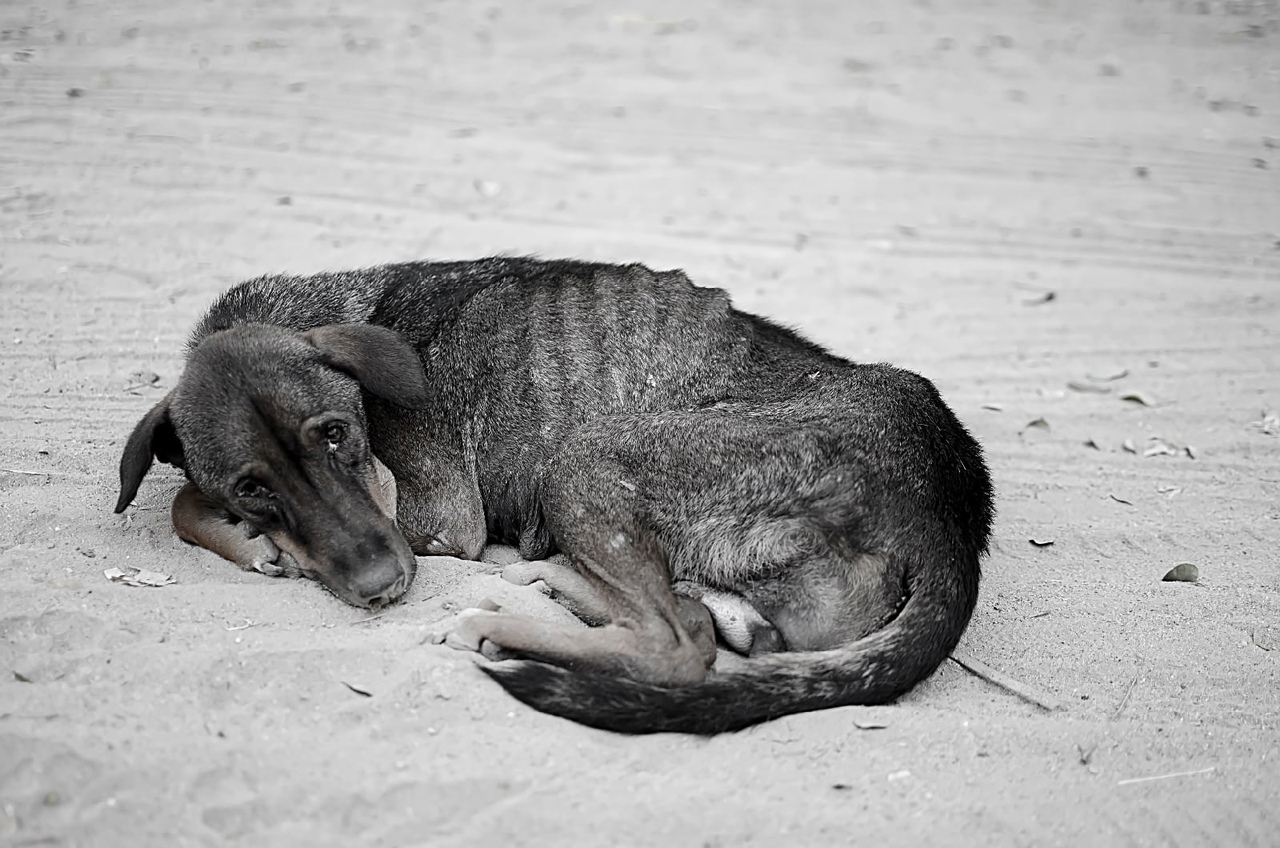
(334, 434)
(251, 488)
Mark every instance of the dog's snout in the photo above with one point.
(379, 583)
(396, 590)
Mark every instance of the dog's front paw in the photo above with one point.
(264, 557)
(523, 573)
(284, 566)
(470, 629)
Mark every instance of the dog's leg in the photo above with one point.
(567, 586)
(199, 520)
(595, 505)
(647, 635)
(754, 507)
(578, 594)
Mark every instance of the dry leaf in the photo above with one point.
(1191, 452)
(1109, 378)
(1036, 424)
(1088, 388)
(1041, 543)
(138, 577)
(1140, 398)
(1269, 424)
(1183, 572)
(993, 407)
(867, 724)
(1261, 636)
(149, 578)
(1129, 446)
(1092, 443)
(1046, 297)
(1159, 448)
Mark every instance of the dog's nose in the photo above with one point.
(379, 583)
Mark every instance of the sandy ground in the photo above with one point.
(904, 181)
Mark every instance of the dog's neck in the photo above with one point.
(412, 298)
(299, 303)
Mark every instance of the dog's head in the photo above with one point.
(270, 424)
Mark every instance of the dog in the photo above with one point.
(711, 479)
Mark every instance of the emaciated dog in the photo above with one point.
(704, 471)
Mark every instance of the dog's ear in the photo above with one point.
(381, 359)
(154, 437)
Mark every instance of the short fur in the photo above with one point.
(703, 469)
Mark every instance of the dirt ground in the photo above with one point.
(1065, 213)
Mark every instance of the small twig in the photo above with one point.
(1165, 776)
(28, 473)
(359, 690)
(376, 615)
(1025, 691)
(247, 624)
(1125, 699)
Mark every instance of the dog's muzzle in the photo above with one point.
(378, 583)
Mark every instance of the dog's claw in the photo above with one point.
(261, 555)
(268, 559)
(270, 569)
(288, 565)
(467, 633)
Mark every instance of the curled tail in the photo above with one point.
(873, 670)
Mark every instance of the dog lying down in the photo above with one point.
(711, 479)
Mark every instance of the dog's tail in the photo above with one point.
(872, 670)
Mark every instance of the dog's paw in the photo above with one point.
(494, 652)
(268, 567)
(523, 573)
(264, 557)
(285, 566)
(259, 554)
(468, 631)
